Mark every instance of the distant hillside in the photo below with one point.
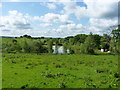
(6, 37)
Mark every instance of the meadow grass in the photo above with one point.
(59, 71)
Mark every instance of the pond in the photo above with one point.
(60, 50)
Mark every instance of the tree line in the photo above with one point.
(79, 44)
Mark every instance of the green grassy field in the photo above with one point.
(59, 71)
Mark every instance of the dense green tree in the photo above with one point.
(97, 39)
(77, 48)
(17, 48)
(116, 33)
(80, 38)
(50, 45)
(26, 47)
(82, 48)
(56, 46)
(25, 36)
(105, 41)
(39, 48)
(14, 41)
(113, 45)
(115, 41)
(14, 48)
(65, 48)
(71, 41)
(89, 45)
(71, 51)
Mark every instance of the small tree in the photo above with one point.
(65, 48)
(50, 44)
(18, 48)
(115, 41)
(71, 50)
(82, 48)
(27, 36)
(89, 45)
(105, 41)
(113, 45)
(14, 48)
(56, 46)
(26, 47)
(39, 48)
(77, 48)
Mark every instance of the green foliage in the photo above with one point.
(65, 48)
(115, 45)
(97, 41)
(25, 36)
(82, 48)
(12, 47)
(80, 38)
(56, 46)
(16, 48)
(50, 44)
(105, 41)
(116, 33)
(59, 71)
(77, 48)
(88, 46)
(71, 51)
(39, 48)
(26, 47)
(115, 41)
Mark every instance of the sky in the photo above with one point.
(57, 18)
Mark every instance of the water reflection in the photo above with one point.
(60, 50)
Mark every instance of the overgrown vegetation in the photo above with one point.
(59, 71)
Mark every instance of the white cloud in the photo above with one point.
(13, 0)
(39, 0)
(100, 26)
(95, 8)
(0, 5)
(36, 18)
(102, 14)
(55, 33)
(100, 9)
(66, 30)
(54, 18)
(14, 17)
(19, 0)
(102, 23)
(45, 25)
(51, 6)
(73, 8)
(72, 26)
(61, 1)
(15, 23)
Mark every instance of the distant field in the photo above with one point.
(59, 71)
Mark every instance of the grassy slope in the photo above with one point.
(0, 77)
(55, 71)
